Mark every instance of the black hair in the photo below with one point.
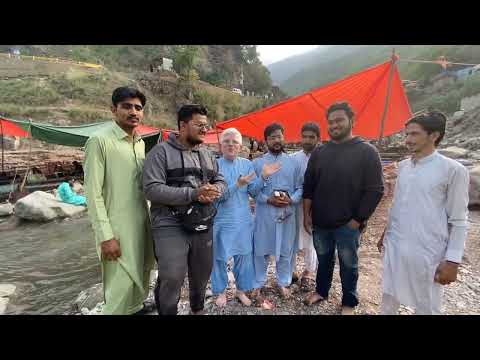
(271, 128)
(122, 93)
(311, 127)
(186, 112)
(431, 121)
(341, 106)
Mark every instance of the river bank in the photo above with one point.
(461, 297)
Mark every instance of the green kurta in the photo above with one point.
(117, 209)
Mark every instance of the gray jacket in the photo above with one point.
(168, 185)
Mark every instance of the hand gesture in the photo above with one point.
(208, 193)
(111, 250)
(270, 169)
(245, 180)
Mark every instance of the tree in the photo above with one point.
(183, 59)
(250, 54)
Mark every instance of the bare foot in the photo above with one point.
(284, 292)
(313, 298)
(260, 301)
(346, 310)
(221, 300)
(240, 295)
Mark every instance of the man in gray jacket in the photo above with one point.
(173, 179)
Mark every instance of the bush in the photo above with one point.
(447, 103)
(471, 86)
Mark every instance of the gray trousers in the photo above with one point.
(177, 252)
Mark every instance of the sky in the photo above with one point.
(273, 53)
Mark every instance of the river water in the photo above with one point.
(50, 264)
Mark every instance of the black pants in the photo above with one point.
(177, 252)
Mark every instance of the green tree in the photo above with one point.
(183, 59)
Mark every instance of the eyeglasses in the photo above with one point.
(202, 126)
(128, 106)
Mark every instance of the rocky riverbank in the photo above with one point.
(461, 297)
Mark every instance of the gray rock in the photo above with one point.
(474, 189)
(7, 290)
(42, 206)
(6, 209)
(3, 305)
(474, 155)
(454, 152)
(88, 299)
(465, 163)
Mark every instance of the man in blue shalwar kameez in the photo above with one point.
(275, 222)
(233, 227)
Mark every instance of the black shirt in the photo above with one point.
(344, 182)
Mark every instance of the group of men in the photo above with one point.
(317, 200)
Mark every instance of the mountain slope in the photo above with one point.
(337, 62)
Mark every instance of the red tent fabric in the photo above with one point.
(365, 91)
(211, 137)
(8, 128)
(143, 130)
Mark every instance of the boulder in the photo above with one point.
(474, 155)
(42, 206)
(465, 163)
(89, 298)
(454, 152)
(3, 305)
(474, 190)
(7, 290)
(6, 209)
(472, 144)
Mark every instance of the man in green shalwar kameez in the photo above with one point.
(117, 208)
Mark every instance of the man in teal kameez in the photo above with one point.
(117, 208)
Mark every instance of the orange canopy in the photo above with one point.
(366, 92)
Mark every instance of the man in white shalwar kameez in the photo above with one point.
(425, 235)
(304, 241)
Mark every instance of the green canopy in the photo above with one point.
(77, 135)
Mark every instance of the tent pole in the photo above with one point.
(1, 128)
(387, 98)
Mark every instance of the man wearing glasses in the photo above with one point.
(174, 179)
(117, 208)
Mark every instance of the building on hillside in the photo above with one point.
(161, 64)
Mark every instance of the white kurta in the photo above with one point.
(427, 224)
(303, 239)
